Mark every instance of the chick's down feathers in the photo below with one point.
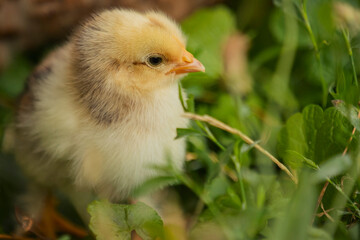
(102, 110)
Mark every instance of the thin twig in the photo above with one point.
(322, 214)
(326, 212)
(216, 123)
(319, 201)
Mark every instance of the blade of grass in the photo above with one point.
(303, 11)
(216, 123)
(280, 80)
(181, 97)
(346, 36)
(210, 135)
(237, 162)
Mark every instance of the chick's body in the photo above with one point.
(102, 110)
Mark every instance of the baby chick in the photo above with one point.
(103, 109)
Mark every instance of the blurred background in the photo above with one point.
(284, 72)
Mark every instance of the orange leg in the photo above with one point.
(5, 237)
(50, 223)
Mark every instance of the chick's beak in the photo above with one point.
(187, 65)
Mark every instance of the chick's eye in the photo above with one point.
(154, 61)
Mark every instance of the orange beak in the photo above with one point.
(188, 64)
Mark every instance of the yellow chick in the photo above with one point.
(103, 109)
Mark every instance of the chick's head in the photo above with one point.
(136, 53)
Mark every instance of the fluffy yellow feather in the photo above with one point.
(100, 111)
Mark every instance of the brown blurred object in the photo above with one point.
(236, 74)
(27, 24)
(347, 16)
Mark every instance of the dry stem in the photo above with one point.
(216, 123)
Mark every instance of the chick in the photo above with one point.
(103, 109)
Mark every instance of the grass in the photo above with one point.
(277, 160)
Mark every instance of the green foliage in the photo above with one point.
(314, 134)
(333, 167)
(115, 221)
(277, 27)
(301, 62)
(210, 28)
(295, 223)
(13, 79)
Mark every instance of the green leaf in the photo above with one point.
(350, 112)
(314, 136)
(207, 30)
(296, 220)
(155, 183)
(190, 103)
(277, 27)
(333, 135)
(181, 97)
(108, 221)
(313, 119)
(13, 79)
(116, 221)
(333, 167)
(321, 18)
(145, 221)
(217, 187)
(183, 132)
(64, 237)
(292, 138)
(318, 234)
(300, 158)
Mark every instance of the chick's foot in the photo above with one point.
(49, 223)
